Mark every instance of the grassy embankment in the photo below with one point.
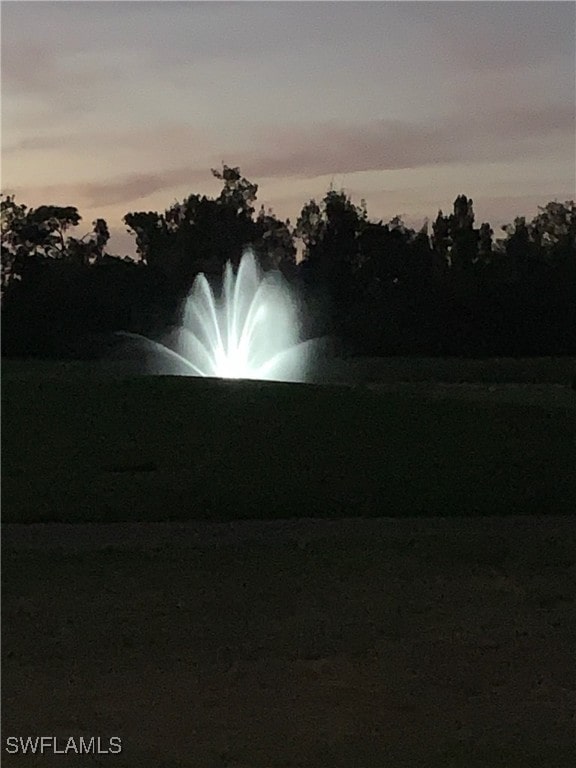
(83, 447)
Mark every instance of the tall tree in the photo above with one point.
(32, 235)
(202, 233)
(553, 230)
(275, 244)
(464, 237)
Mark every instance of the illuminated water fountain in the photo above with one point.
(250, 332)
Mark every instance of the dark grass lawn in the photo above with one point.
(372, 644)
(158, 448)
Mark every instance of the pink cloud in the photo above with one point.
(116, 191)
(332, 148)
(136, 186)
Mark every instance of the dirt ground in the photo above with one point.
(357, 644)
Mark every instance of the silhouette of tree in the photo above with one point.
(485, 245)
(463, 235)
(202, 234)
(310, 227)
(553, 230)
(441, 238)
(330, 232)
(32, 234)
(91, 251)
(275, 243)
(519, 245)
(383, 288)
(237, 193)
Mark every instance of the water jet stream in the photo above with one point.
(250, 332)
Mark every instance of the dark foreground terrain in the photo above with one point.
(89, 448)
(356, 644)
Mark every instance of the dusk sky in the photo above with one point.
(125, 106)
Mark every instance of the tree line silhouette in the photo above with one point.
(382, 289)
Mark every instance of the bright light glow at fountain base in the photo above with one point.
(249, 332)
